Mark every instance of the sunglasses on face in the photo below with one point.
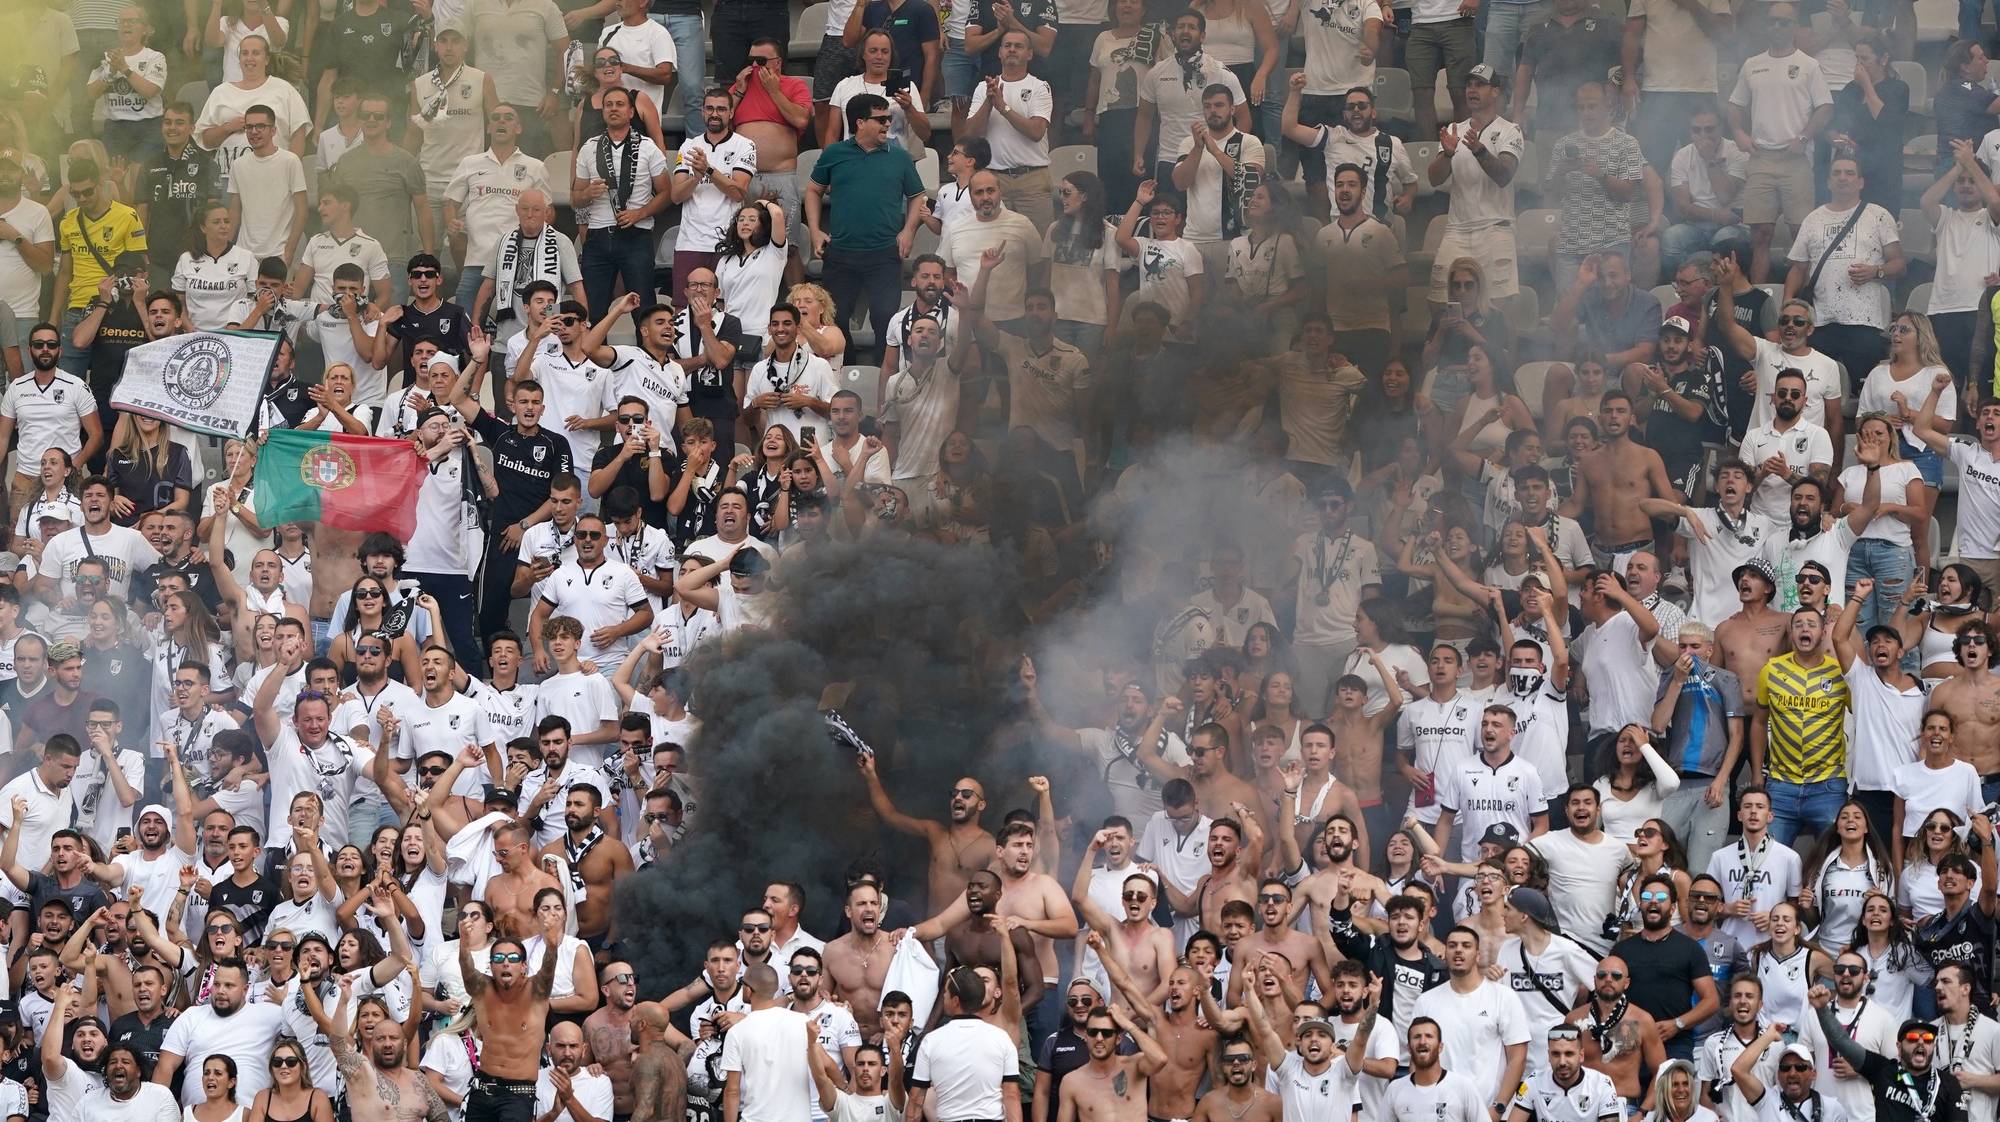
(1273, 898)
(369, 594)
(1654, 897)
(764, 60)
(433, 772)
(424, 274)
(805, 971)
(606, 63)
(1788, 395)
(1081, 1002)
(284, 1061)
(1646, 832)
(1710, 897)
(589, 535)
(1918, 1036)
(1849, 968)
(754, 928)
(373, 116)
(1794, 321)
(370, 651)
(1100, 1033)
(508, 956)
(1200, 753)
(1614, 975)
(1794, 1067)
(1135, 897)
(44, 345)
(1810, 578)
(284, 948)
(964, 793)
(632, 419)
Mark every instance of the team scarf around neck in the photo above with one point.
(628, 167)
(522, 265)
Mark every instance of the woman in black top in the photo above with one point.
(607, 72)
(1868, 117)
(148, 470)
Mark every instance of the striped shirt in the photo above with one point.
(1807, 708)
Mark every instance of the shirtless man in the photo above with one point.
(510, 896)
(593, 854)
(975, 941)
(1972, 700)
(380, 1088)
(1336, 875)
(1232, 875)
(1321, 794)
(1238, 1098)
(1036, 897)
(1277, 942)
(957, 850)
(1110, 1087)
(335, 566)
(857, 962)
(1755, 634)
(659, 1066)
(1146, 948)
(513, 1012)
(1357, 737)
(608, 1031)
(772, 111)
(1176, 1023)
(1613, 479)
(1215, 787)
(1617, 1034)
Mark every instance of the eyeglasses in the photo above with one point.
(754, 928)
(284, 1061)
(507, 956)
(1938, 828)
(254, 126)
(701, 284)
(185, 684)
(1100, 1033)
(98, 724)
(1920, 1036)
(805, 971)
(1849, 968)
(1794, 321)
(497, 118)
(632, 418)
(1901, 329)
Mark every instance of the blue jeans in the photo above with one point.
(1684, 239)
(1803, 808)
(612, 252)
(469, 280)
(1890, 566)
(1085, 337)
(1928, 462)
(690, 62)
(961, 70)
(1969, 13)
(1507, 25)
(73, 360)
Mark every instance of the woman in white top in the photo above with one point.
(752, 265)
(220, 127)
(218, 1088)
(419, 869)
(1674, 1098)
(1119, 58)
(1895, 968)
(1786, 964)
(335, 409)
(1082, 263)
(1488, 412)
(54, 472)
(1935, 780)
(1916, 884)
(1633, 783)
(817, 328)
(214, 277)
(442, 969)
(574, 988)
(1276, 706)
(1914, 360)
(1896, 542)
(309, 880)
(909, 126)
(1846, 864)
(229, 21)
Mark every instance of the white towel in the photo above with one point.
(913, 972)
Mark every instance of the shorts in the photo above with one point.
(1778, 185)
(836, 60)
(135, 142)
(1492, 247)
(1451, 46)
(961, 70)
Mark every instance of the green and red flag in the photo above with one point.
(363, 483)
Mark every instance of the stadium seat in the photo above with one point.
(865, 381)
(1919, 240)
(1421, 154)
(1523, 310)
(1426, 255)
(559, 182)
(1529, 378)
(807, 33)
(1667, 295)
(1920, 299)
(927, 169)
(1533, 168)
(1072, 158)
(1394, 100)
(1920, 153)
(1535, 237)
(807, 160)
(1919, 81)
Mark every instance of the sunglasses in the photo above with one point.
(1273, 898)
(1711, 897)
(805, 971)
(284, 1061)
(754, 928)
(1100, 1033)
(632, 418)
(881, 120)
(371, 650)
(1794, 1067)
(1919, 1036)
(369, 594)
(431, 771)
(1794, 321)
(1134, 897)
(1614, 975)
(1201, 753)
(1081, 1002)
(764, 60)
(44, 345)
(964, 793)
(620, 979)
(1655, 896)
(276, 946)
(422, 274)
(606, 63)
(507, 956)
(1238, 1059)
(1646, 832)
(374, 116)
(1788, 395)
(589, 535)
(1811, 578)
(1849, 969)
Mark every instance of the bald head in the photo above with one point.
(761, 981)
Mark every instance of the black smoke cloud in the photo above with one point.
(916, 643)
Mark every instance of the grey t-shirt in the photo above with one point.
(385, 183)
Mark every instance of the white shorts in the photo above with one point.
(1494, 249)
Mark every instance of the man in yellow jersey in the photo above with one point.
(90, 237)
(1798, 740)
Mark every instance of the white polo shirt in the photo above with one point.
(964, 1061)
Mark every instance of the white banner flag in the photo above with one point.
(205, 381)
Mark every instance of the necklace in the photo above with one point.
(1236, 1115)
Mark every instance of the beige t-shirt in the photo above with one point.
(1044, 387)
(1315, 405)
(1358, 264)
(1679, 58)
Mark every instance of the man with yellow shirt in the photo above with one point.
(1798, 739)
(88, 239)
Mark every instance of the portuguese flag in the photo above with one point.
(363, 483)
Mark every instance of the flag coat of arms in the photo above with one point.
(362, 483)
(204, 381)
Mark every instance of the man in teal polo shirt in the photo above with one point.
(876, 220)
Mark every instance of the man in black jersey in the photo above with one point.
(177, 181)
(427, 315)
(247, 893)
(1909, 1087)
(1963, 932)
(525, 459)
(145, 1027)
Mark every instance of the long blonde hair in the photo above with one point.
(1929, 354)
(131, 443)
(1482, 304)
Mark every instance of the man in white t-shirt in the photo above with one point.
(480, 200)
(1012, 110)
(1170, 97)
(790, 385)
(711, 179)
(992, 225)
(267, 190)
(1584, 863)
(1485, 1032)
(1436, 733)
(1389, 178)
(1211, 158)
(1812, 539)
(1779, 105)
(1848, 252)
(228, 1024)
(46, 407)
(1705, 180)
(618, 187)
(340, 242)
(27, 244)
(1961, 208)
(1978, 481)
(1494, 788)
(1785, 450)
(764, 1057)
(123, 550)
(585, 1093)
(1479, 156)
(1793, 351)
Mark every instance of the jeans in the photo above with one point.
(1318, 667)
(1803, 808)
(1685, 239)
(73, 360)
(1954, 336)
(469, 280)
(1507, 25)
(736, 25)
(1085, 337)
(365, 816)
(1881, 808)
(1701, 828)
(611, 252)
(1969, 13)
(482, 1105)
(690, 59)
(453, 592)
(1890, 566)
(873, 275)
